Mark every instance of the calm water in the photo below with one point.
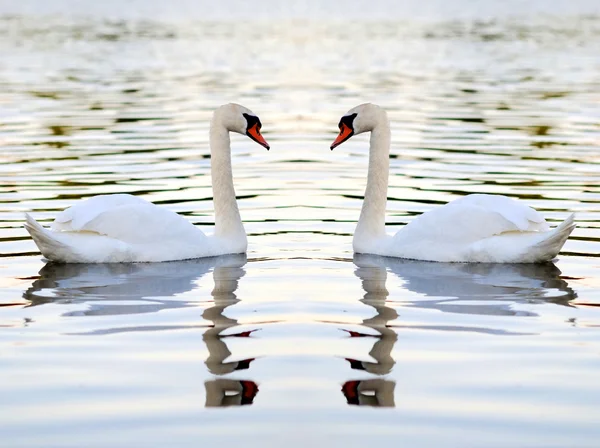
(299, 341)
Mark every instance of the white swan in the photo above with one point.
(124, 228)
(475, 228)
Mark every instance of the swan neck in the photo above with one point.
(371, 223)
(228, 222)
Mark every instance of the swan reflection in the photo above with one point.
(374, 391)
(226, 282)
(476, 288)
(374, 284)
(222, 391)
(467, 288)
(121, 289)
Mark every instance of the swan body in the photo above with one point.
(124, 228)
(476, 228)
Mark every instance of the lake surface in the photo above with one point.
(299, 342)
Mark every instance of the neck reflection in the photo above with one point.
(225, 391)
(378, 392)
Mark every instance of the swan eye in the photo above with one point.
(348, 121)
(252, 121)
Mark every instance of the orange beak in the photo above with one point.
(254, 134)
(345, 134)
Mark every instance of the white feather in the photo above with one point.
(76, 217)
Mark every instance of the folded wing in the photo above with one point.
(474, 217)
(125, 218)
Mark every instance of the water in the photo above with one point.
(299, 341)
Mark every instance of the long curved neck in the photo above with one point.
(371, 223)
(227, 215)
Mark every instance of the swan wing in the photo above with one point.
(74, 218)
(474, 217)
(128, 219)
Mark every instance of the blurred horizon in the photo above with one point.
(321, 10)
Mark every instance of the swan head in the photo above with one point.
(359, 119)
(237, 118)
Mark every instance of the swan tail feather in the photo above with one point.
(50, 246)
(549, 247)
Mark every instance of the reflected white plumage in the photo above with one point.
(475, 228)
(124, 228)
